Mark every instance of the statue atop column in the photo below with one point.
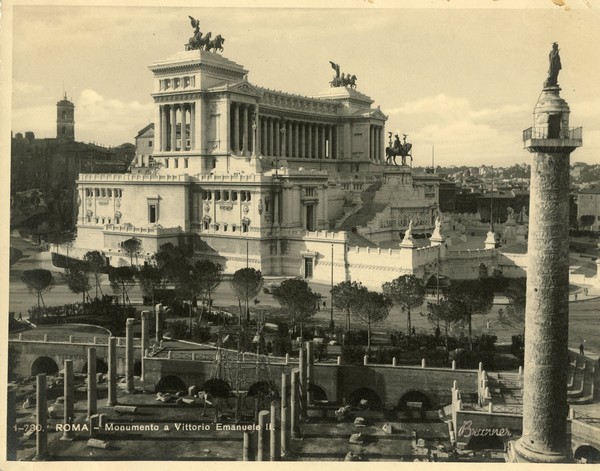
(345, 80)
(554, 68)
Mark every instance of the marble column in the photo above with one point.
(129, 354)
(274, 432)
(183, 126)
(158, 314)
(309, 142)
(193, 126)
(41, 407)
(173, 145)
(92, 389)
(248, 444)
(302, 385)
(289, 137)
(295, 404)
(310, 370)
(545, 408)
(112, 372)
(285, 410)
(69, 405)
(323, 141)
(145, 338)
(302, 140)
(244, 128)
(163, 127)
(277, 133)
(329, 142)
(296, 139)
(263, 441)
(236, 128)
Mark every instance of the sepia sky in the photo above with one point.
(464, 80)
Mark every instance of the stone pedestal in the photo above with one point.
(112, 372)
(69, 406)
(91, 383)
(129, 354)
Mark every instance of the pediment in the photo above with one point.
(377, 114)
(245, 88)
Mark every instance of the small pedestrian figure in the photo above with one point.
(414, 332)
(575, 296)
(581, 348)
(585, 291)
(488, 325)
(20, 316)
(324, 304)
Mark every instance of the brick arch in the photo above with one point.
(588, 452)
(374, 399)
(170, 383)
(101, 366)
(44, 364)
(416, 395)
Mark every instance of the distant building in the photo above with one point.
(588, 209)
(52, 165)
(144, 142)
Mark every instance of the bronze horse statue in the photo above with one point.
(398, 149)
(216, 44)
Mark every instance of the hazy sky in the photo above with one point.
(464, 80)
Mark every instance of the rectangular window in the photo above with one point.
(244, 227)
(308, 267)
(166, 163)
(234, 196)
(185, 163)
(103, 192)
(206, 225)
(97, 192)
(176, 164)
(225, 195)
(109, 192)
(242, 196)
(149, 143)
(217, 195)
(152, 213)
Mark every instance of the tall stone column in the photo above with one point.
(545, 408)
(193, 126)
(173, 145)
(289, 140)
(163, 128)
(302, 385)
(69, 395)
(129, 354)
(248, 444)
(283, 142)
(296, 139)
(309, 141)
(41, 407)
(244, 129)
(285, 410)
(310, 368)
(277, 135)
(323, 141)
(236, 128)
(92, 390)
(158, 313)
(145, 338)
(112, 372)
(183, 126)
(274, 438)
(302, 140)
(295, 404)
(329, 153)
(263, 436)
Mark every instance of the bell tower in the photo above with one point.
(65, 120)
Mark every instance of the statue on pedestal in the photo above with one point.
(554, 68)
(397, 149)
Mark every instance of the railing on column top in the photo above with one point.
(575, 134)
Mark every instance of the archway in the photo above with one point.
(44, 365)
(170, 384)
(372, 398)
(101, 366)
(415, 400)
(587, 454)
(318, 393)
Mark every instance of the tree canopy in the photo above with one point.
(246, 284)
(514, 315)
(95, 262)
(133, 248)
(121, 279)
(467, 298)
(406, 291)
(78, 280)
(150, 277)
(38, 281)
(298, 299)
(344, 295)
(208, 276)
(371, 307)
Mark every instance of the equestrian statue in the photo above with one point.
(402, 149)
